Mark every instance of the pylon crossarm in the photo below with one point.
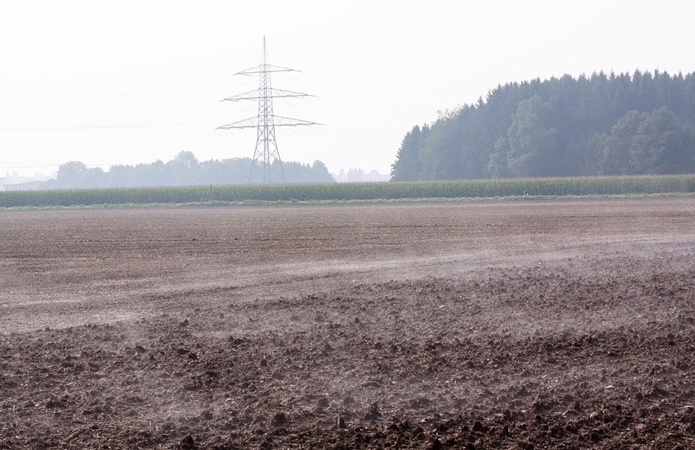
(280, 121)
(256, 95)
(265, 68)
(251, 122)
(249, 95)
(280, 93)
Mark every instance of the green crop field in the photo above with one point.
(357, 192)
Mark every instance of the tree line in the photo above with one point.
(183, 170)
(605, 124)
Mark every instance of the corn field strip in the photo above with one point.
(456, 190)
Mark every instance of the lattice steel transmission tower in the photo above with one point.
(266, 157)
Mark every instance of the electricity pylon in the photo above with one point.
(266, 152)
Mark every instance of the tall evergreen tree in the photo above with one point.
(407, 166)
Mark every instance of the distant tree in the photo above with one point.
(120, 176)
(447, 160)
(407, 166)
(155, 174)
(590, 152)
(498, 165)
(320, 173)
(355, 175)
(532, 144)
(186, 159)
(306, 173)
(92, 178)
(615, 159)
(184, 169)
(660, 145)
(69, 174)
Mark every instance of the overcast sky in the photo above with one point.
(129, 82)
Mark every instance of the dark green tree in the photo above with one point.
(590, 151)
(447, 161)
(615, 159)
(660, 145)
(532, 144)
(407, 166)
(498, 165)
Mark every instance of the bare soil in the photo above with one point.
(521, 325)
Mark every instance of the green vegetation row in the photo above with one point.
(337, 192)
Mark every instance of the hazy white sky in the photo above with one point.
(128, 82)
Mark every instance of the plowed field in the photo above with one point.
(520, 325)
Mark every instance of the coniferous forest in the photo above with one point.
(624, 124)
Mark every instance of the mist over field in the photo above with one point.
(347, 225)
(417, 325)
